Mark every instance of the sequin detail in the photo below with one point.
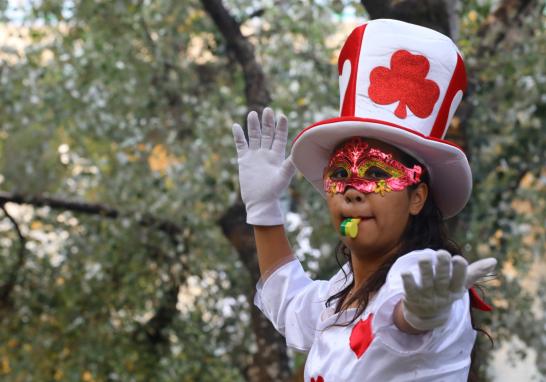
(405, 82)
(368, 170)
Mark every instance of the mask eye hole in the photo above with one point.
(339, 173)
(375, 173)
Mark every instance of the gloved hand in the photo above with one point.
(428, 305)
(264, 173)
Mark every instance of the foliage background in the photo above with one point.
(117, 167)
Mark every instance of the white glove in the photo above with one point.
(428, 305)
(264, 173)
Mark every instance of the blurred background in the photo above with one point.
(124, 255)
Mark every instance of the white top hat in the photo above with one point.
(399, 83)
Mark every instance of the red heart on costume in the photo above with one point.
(319, 379)
(361, 336)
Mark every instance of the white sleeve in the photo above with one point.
(391, 293)
(293, 303)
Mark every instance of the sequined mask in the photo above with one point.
(366, 169)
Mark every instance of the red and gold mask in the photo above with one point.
(355, 164)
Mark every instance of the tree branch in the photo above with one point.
(89, 209)
(257, 13)
(161, 77)
(500, 27)
(256, 89)
(152, 334)
(154, 328)
(434, 14)
(7, 287)
(504, 24)
(260, 11)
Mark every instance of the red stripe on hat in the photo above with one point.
(351, 52)
(386, 123)
(458, 82)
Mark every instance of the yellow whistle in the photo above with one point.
(349, 227)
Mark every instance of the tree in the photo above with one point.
(128, 257)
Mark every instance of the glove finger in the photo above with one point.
(427, 276)
(287, 169)
(254, 134)
(240, 140)
(479, 269)
(441, 273)
(458, 275)
(268, 128)
(281, 136)
(410, 287)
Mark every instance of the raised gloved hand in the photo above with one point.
(427, 305)
(264, 173)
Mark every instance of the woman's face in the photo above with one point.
(384, 215)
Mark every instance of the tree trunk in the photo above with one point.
(270, 361)
(440, 15)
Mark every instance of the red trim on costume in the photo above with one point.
(458, 82)
(358, 119)
(351, 52)
(477, 302)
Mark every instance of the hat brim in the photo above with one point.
(447, 165)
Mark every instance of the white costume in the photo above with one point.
(372, 348)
